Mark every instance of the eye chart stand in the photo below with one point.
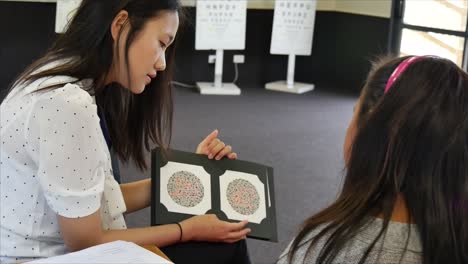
(292, 34)
(289, 85)
(218, 87)
(220, 26)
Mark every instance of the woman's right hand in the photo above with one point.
(210, 229)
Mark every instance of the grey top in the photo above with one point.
(389, 249)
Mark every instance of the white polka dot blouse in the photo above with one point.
(54, 160)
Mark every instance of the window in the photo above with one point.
(430, 27)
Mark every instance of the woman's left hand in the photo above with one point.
(215, 148)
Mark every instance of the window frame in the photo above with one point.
(397, 25)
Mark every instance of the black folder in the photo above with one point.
(264, 230)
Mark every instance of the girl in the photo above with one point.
(102, 85)
(406, 187)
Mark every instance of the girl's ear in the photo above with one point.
(118, 23)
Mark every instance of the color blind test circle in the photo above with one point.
(243, 197)
(185, 189)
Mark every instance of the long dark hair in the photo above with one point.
(411, 141)
(134, 121)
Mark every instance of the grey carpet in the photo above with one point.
(301, 136)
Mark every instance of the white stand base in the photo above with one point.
(298, 88)
(225, 89)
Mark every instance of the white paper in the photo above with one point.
(113, 252)
(293, 27)
(221, 24)
(65, 11)
(226, 207)
(172, 167)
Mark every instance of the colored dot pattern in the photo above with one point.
(243, 197)
(185, 189)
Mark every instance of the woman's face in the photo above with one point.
(351, 132)
(146, 54)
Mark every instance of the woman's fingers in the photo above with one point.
(225, 151)
(214, 148)
(238, 226)
(203, 146)
(238, 234)
(232, 155)
(234, 240)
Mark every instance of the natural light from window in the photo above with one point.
(442, 14)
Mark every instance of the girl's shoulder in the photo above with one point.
(69, 100)
(66, 90)
(397, 239)
(48, 86)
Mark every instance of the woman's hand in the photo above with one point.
(215, 148)
(210, 229)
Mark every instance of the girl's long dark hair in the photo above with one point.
(134, 121)
(411, 141)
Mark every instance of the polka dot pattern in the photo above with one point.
(185, 189)
(243, 197)
(54, 160)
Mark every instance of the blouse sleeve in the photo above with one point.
(71, 157)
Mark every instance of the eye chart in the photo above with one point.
(293, 27)
(220, 24)
(65, 11)
(186, 184)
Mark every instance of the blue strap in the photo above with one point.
(104, 130)
(114, 160)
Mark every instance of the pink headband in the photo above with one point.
(399, 70)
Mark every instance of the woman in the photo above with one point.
(103, 84)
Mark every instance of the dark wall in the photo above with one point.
(358, 40)
(343, 44)
(342, 47)
(26, 31)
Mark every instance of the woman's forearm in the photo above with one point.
(137, 195)
(84, 232)
(159, 236)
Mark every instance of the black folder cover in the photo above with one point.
(265, 230)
